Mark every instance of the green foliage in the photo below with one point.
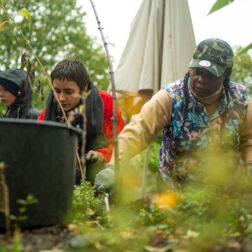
(54, 32)
(118, 240)
(23, 207)
(244, 50)
(3, 248)
(242, 69)
(205, 219)
(16, 244)
(2, 109)
(211, 214)
(219, 4)
(154, 155)
(86, 206)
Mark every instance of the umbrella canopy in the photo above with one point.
(159, 48)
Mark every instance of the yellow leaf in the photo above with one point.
(2, 25)
(73, 228)
(130, 105)
(98, 246)
(90, 212)
(191, 234)
(127, 235)
(166, 199)
(25, 13)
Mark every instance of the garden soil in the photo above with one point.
(54, 238)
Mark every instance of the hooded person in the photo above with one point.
(16, 94)
(70, 79)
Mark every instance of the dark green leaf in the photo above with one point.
(220, 4)
(245, 49)
(21, 202)
(22, 218)
(22, 209)
(13, 217)
(31, 199)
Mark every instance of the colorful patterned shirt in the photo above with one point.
(201, 131)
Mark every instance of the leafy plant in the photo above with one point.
(242, 69)
(86, 204)
(23, 207)
(219, 4)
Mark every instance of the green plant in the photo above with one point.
(3, 248)
(242, 69)
(17, 242)
(23, 207)
(86, 204)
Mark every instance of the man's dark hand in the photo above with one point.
(76, 117)
(94, 157)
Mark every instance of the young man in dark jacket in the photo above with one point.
(70, 79)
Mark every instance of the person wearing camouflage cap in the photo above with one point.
(214, 55)
(205, 118)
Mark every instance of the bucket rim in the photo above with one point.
(39, 123)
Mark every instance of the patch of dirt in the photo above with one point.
(48, 238)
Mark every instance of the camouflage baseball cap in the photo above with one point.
(213, 54)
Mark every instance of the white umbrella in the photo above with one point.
(159, 48)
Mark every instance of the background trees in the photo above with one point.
(55, 30)
(242, 69)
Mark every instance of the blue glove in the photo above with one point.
(105, 179)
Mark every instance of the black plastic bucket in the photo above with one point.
(40, 160)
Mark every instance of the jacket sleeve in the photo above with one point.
(138, 134)
(246, 136)
(41, 116)
(106, 151)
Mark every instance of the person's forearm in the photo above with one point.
(138, 134)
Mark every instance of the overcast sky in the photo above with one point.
(232, 23)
